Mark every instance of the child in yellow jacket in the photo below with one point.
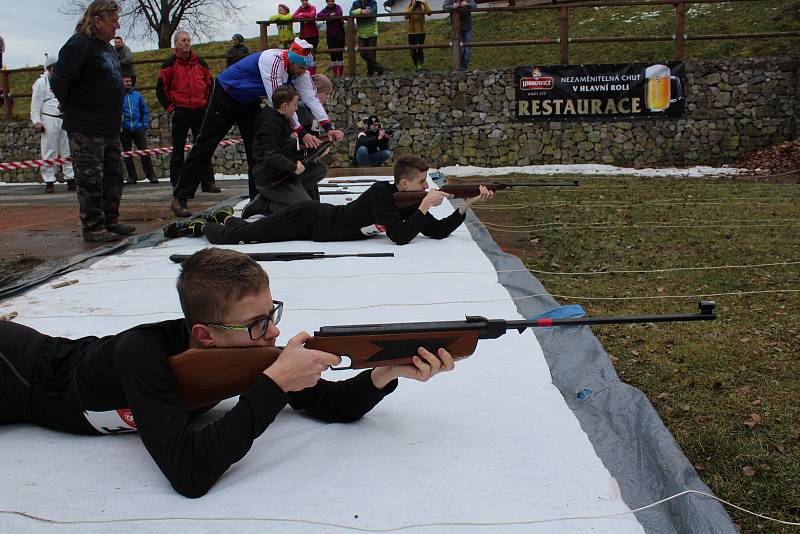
(415, 13)
(285, 27)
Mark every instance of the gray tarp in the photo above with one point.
(622, 425)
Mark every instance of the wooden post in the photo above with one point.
(351, 46)
(563, 16)
(680, 29)
(455, 22)
(264, 36)
(7, 96)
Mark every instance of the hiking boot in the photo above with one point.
(71, 185)
(216, 215)
(180, 208)
(50, 188)
(211, 188)
(152, 179)
(121, 229)
(100, 235)
(188, 227)
(257, 206)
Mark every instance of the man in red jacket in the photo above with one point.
(184, 86)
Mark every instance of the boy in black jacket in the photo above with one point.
(123, 382)
(373, 211)
(280, 176)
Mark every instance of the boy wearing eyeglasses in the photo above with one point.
(123, 382)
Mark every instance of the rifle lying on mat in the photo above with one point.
(408, 199)
(292, 256)
(359, 181)
(207, 376)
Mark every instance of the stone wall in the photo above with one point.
(732, 108)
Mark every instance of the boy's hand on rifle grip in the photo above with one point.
(433, 198)
(424, 367)
(299, 368)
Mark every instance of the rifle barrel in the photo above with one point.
(293, 256)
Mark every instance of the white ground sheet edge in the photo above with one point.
(491, 443)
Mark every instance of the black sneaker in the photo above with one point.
(257, 206)
(216, 215)
(211, 188)
(121, 229)
(188, 227)
(152, 179)
(100, 235)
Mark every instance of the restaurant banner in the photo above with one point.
(600, 92)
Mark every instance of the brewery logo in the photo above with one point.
(536, 82)
(127, 415)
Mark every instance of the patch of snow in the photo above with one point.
(591, 170)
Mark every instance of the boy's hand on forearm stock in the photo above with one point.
(434, 198)
(425, 366)
(310, 141)
(484, 195)
(299, 168)
(299, 368)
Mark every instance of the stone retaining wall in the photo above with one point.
(732, 107)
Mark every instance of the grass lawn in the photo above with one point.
(733, 17)
(725, 388)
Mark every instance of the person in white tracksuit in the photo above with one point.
(46, 119)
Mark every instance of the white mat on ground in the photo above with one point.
(491, 443)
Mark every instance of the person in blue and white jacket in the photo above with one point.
(235, 99)
(135, 120)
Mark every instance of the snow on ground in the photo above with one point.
(592, 169)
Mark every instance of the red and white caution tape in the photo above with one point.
(35, 163)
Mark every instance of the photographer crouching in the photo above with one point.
(372, 144)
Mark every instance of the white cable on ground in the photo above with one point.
(177, 313)
(616, 226)
(42, 519)
(642, 223)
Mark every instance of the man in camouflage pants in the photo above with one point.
(87, 81)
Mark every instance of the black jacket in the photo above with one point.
(87, 80)
(275, 150)
(235, 53)
(131, 369)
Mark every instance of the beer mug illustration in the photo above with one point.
(658, 95)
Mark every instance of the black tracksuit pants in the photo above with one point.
(183, 120)
(308, 220)
(223, 112)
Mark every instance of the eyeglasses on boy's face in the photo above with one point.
(258, 328)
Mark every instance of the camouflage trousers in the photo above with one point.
(97, 160)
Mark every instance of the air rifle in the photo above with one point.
(207, 376)
(409, 199)
(293, 256)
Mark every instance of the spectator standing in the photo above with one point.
(125, 57)
(415, 13)
(236, 100)
(334, 34)
(367, 29)
(88, 83)
(372, 144)
(237, 51)
(2, 50)
(184, 88)
(308, 30)
(284, 22)
(135, 120)
(47, 120)
(461, 9)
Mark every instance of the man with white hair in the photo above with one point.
(236, 99)
(46, 119)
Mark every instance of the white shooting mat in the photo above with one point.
(491, 443)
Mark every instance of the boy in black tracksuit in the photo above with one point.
(356, 220)
(123, 382)
(280, 176)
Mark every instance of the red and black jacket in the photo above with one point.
(184, 83)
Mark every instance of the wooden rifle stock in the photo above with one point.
(207, 376)
(410, 199)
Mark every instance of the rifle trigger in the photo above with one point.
(345, 360)
(521, 329)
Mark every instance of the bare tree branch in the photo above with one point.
(160, 18)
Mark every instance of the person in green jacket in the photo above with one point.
(415, 13)
(285, 27)
(367, 29)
